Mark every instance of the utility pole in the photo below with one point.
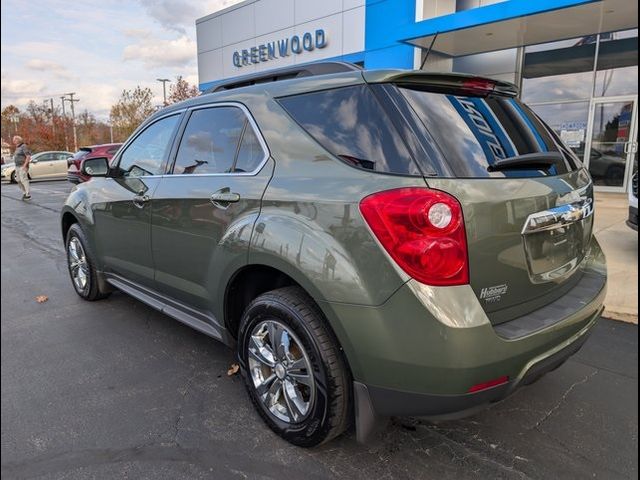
(53, 119)
(64, 125)
(164, 88)
(73, 118)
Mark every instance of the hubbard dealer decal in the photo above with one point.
(493, 294)
(280, 48)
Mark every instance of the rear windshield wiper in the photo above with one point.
(528, 161)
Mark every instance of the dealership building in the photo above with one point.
(575, 61)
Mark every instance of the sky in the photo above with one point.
(97, 48)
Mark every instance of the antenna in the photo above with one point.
(429, 50)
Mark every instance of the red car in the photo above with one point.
(74, 172)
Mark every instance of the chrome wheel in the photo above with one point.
(78, 265)
(281, 372)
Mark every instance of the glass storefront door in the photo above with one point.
(612, 141)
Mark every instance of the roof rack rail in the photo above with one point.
(285, 73)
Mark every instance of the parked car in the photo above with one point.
(43, 165)
(74, 171)
(632, 221)
(372, 243)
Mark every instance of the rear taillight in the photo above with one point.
(423, 231)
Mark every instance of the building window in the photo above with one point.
(617, 67)
(559, 71)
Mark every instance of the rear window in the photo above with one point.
(474, 132)
(81, 153)
(351, 124)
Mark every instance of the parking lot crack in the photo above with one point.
(23, 229)
(469, 452)
(563, 398)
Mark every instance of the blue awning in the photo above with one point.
(516, 23)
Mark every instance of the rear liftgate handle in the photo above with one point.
(224, 197)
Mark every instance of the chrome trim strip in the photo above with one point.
(252, 122)
(558, 217)
(256, 131)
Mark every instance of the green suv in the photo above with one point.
(372, 243)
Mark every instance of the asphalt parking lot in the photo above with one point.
(115, 389)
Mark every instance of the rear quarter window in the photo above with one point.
(473, 132)
(350, 123)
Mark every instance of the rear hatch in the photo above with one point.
(527, 201)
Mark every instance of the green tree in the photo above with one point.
(130, 111)
(181, 90)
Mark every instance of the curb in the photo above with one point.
(621, 316)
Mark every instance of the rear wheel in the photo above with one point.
(81, 265)
(293, 369)
(12, 179)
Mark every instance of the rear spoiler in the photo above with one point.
(446, 82)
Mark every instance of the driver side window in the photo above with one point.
(147, 153)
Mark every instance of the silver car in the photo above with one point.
(44, 165)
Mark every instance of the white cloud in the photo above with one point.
(49, 66)
(154, 52)
(178, 14)
(20, 88)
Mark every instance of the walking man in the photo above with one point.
(22, 158)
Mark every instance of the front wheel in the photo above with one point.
(81, 267)
(293, 369)
(12, 179)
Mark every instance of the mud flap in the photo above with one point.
(368, 423)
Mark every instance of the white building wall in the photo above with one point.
(255, 22)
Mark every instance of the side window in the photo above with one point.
(145, 155)
(210, 141)
(251, 153)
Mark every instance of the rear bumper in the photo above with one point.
(388, 402)
(74, 177)
(419, 354)
(632, 221)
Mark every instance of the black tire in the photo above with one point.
(329, 413)
(12, 179)
(91, 291)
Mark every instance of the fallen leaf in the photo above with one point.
(41, 298)
(233, 370)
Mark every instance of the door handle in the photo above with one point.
(140, 200)
(222, 198)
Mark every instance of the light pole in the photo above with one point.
(164, 88)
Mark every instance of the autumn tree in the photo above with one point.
(130, 111)
(181, 90)
(10, 122)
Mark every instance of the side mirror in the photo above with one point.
(95, 167)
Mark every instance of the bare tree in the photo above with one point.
(181, 90)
